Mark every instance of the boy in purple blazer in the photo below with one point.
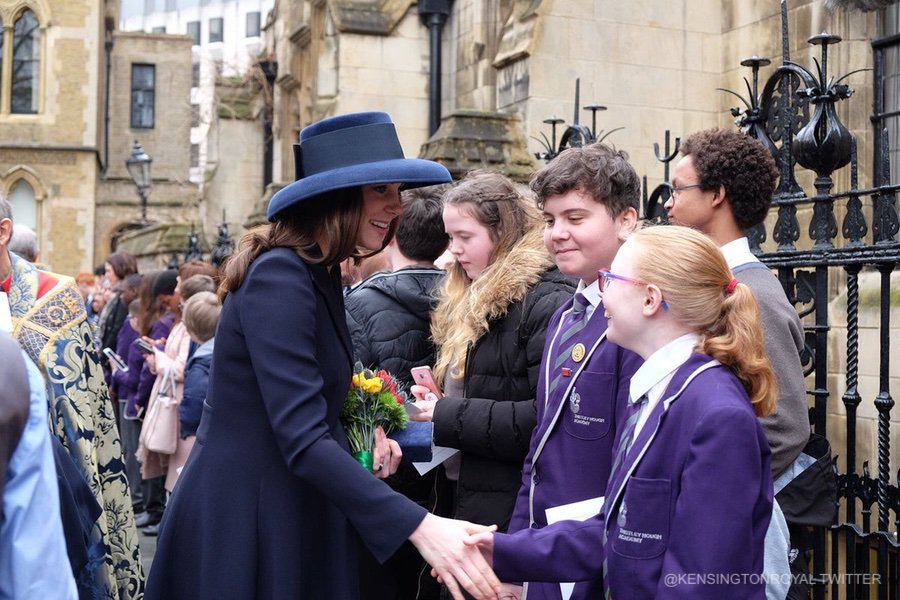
(589, 197)
(690, 494)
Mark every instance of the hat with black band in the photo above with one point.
(349, 151)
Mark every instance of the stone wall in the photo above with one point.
(55, 151)
(172, 198)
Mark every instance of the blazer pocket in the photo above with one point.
(642, 521)
(587, 413)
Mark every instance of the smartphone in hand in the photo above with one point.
(115, 359)
(145, 347)
(423, 376)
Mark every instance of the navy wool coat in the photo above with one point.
(270, 503)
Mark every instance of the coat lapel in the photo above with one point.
(329, 287)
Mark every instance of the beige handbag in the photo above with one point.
(160, 430)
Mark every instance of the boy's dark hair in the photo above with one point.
(729, 158)
(420, 233)
(133, 281)
(598, 170)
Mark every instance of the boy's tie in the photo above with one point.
(574, 322)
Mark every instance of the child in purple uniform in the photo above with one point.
(589, 198)
(690, 492)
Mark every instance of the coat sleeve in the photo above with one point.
(291, 382)
(564, 551)
(196, 384)
(712, 526)
(495, 429)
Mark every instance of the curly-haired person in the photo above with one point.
(723, 185)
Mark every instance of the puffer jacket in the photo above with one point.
(492, 424)
(389, 316)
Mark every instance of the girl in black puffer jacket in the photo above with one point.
(489, 328)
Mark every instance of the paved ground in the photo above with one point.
(148, 550)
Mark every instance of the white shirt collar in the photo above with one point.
(591, 292)
(737, 252)
(652, 377)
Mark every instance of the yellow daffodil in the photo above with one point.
(373, 385)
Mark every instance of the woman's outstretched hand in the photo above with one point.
(441, 543)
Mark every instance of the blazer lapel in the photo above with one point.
(548, 375)
(328, 285)
(648, 433)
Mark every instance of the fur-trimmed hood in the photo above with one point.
(502, 284)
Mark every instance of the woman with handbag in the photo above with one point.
(161, 450)
(271, 504)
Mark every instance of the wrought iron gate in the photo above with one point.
(794, 115)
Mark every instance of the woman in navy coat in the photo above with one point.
(270, 503)
(690, 493)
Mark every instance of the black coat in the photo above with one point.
(270, 504)
(492, 424)
(389, 315)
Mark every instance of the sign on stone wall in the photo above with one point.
(512, 83)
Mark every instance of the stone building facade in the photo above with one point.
(654, 64)
(65, 128)
(173, 197)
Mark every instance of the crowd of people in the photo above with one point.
(622, 400)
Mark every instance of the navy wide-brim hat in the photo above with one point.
(349, 151)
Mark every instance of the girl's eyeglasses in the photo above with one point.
(605, 277)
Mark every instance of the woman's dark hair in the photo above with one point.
(334, 216)
(123, 264)
(150, 308)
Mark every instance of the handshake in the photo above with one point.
(460, 554)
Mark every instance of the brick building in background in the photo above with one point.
(74, 95)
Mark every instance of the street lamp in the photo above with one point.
(139, 169)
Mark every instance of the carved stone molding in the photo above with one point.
(376, 17)
(468, 140)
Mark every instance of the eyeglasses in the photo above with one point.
(605, 277)
(674, 190)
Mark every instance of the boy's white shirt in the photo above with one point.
(737, 252)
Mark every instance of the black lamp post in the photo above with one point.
(139, 169)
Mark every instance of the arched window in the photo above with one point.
(23, 203)
(26, 63)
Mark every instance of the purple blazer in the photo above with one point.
(125, 382)
(687, 512)
(571, 448)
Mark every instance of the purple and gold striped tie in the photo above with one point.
(574, 322)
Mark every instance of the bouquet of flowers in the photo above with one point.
(373, 400)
